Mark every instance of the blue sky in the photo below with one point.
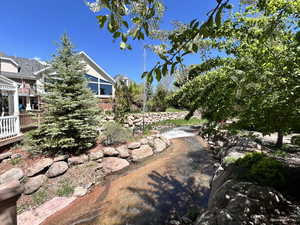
(31, 28)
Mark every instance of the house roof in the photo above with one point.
(106, 75)
(27, 67)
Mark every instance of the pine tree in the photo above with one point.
(71, 114)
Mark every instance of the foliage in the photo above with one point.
(128, 98)
(172, 109)
(65, 188)
(261, 169)
(70, 119)
(39, 197)
(115, 133)
(295, 140)
(158, 102)
(179, 122)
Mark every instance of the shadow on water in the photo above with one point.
(168, 199)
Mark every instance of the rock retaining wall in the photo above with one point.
(236, 202)
(136, 119)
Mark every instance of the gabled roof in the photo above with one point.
(103, 72)
(27, 67)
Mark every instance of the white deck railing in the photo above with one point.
(8, 126)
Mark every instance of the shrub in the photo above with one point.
(65, 188)
(115, 134)
(263, 170)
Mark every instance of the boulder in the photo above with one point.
(57, 168)
(95, 155)
(39, 166)
(166, 140)
(5, 155)
(34, 184)
(159, 145)
(232, 157)
(144, 141)
(109, 151)
(76, 160)
(114, 164)
(12, 174)
(61, 158)
(80, 191)
(133, 145)
(123, 151)
(141, 153)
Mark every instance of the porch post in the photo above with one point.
(16, 109)
(28, 106)
(10, 103)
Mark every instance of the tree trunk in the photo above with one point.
(279, 139)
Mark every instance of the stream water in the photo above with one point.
(166, 186)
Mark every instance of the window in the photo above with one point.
(91, 78)
(105, 89)
(94, 88)
(99, 86)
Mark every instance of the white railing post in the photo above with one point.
(16, 110)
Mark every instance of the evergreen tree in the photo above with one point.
(70, 117)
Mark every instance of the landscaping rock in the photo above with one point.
(5, 155)
(114, 164)
(76, 160)
(232, 157)
(159, 145)
(144, 141)
(166, 140)
(12, 174)
(95, 155)
(134, 145)
(34, 184)
(109, 151)
(80, 191)
(61, 158)
(143, 152)
(39, 166)
(57, 168)
(123, 151)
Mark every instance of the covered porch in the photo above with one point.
(9, 112)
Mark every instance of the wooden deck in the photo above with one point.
(11, 140)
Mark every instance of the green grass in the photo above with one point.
(180, 122)
(171, 109)
(65, 189)
(15, 161)
(39, 197)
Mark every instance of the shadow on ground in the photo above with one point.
(169, 199)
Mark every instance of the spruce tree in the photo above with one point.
(71, 116)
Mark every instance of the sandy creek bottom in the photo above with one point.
(166, 186)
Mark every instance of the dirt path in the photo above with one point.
(150, 193)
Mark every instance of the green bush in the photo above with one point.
(116, 134)
(263, 170)
(295, 140)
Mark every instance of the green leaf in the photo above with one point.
(158, 74)
(195, 48)
(165, 69)
(117, 34)
(218, 18)
(125, 23)
(123, 45)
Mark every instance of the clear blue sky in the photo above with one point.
(30, 28)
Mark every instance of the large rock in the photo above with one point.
(39, 166)
(134, 145)
(141, 153)
(76, 160)
(114, 164)
(61, 158)
(80, 191)
(12, 174)
(34, 184)
(159, 145)
(95, 155)
(5, 155)
(57, 168)
(123, 151)
(109, 151)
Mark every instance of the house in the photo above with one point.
(22, 85)
(29, 74)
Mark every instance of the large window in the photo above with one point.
(99, 86)
(105, 89)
